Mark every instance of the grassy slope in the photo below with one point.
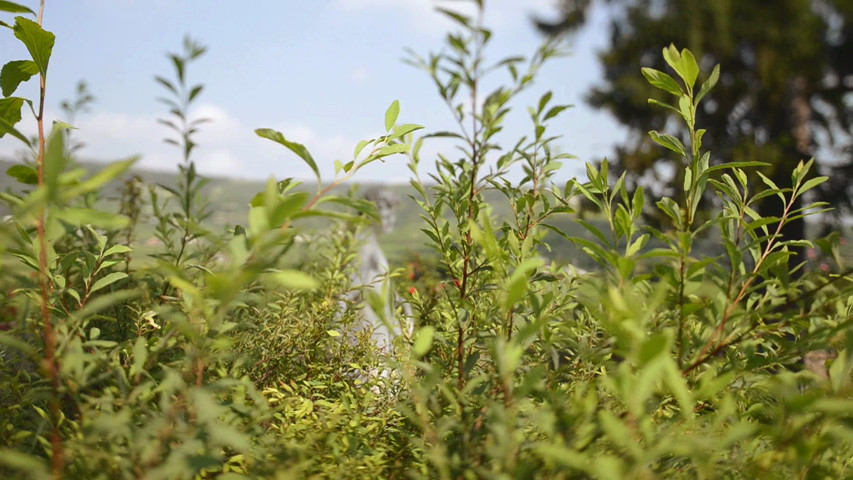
(230, 198)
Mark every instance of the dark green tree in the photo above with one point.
(784, 94)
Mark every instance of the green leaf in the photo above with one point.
(8, 127)
(39, 42)
(54, 159)
(670, 208)
(361, 206)
(707, 85)
(685, 108)
(286, 208)
(100, 178)
(776, 190)
(14, 73)
(457, 17)
(667, 106)
(294, 147)
(194, 92)
(359, 147)
(689, 68)
(178, 63)
(619, 433)
(668, 141)
(595, 231)
(12, 7)
(78, 217)
(672, 57)
(18, 344)
(294, 279)
(839, 371)
(833, 406)
(655, 346)
(30, 466)
(10, 114)
(117, 249)
(517, 284)
(140, 356)
(107, 280)
(662, 81)
(105, 301)
(258, 221)
(562, 455)
(167, 84)
(638, 202)
(637, 245)
(554, 111)
(800, 171)
(811, 183)
(405, 129)
(423, 341)
(543, 101)
(391, 115)
(385, 151)
(24, 174)
(731, 165)
(678, 386)
(445, 134)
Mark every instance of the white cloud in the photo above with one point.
(360, 75)
(110, 126)
(226, 146)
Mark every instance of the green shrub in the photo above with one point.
(228, 356)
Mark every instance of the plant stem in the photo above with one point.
(680, 337)
(704, 354)
(50, 362)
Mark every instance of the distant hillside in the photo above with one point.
(230, 199)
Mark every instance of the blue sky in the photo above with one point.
(321, 71)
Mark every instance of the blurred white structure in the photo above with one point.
(372, 291)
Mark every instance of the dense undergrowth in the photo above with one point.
(221, 360)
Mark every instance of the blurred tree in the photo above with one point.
(784, 93)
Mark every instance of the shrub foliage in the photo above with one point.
(224, 355)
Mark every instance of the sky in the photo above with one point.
(321, 71)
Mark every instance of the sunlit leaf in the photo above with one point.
(294, 147)
(79, 216)
(12, 7)
(423, 340)
(391, 115)
(293, 279)
(39, 42)
(662, 81)
(107, 280)
(517, 283)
